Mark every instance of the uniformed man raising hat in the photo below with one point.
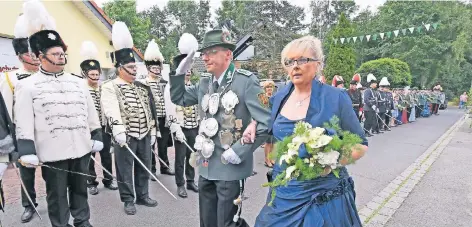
(228, 100)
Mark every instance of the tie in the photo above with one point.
(215, 86)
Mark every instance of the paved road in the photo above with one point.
(444, 196)
(389, 154)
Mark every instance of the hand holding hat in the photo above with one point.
(188, 45)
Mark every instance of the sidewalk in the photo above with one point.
(444, 196)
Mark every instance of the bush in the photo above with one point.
(397, 71)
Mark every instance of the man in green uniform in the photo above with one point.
(228, 99)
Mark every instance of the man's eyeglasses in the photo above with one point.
(300, 61)
(58, 55)
(209, 52)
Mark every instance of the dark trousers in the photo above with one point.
(124, 161)
(408, 113)
(28, 178)
(162, 145)
(417, 111)
(370, 121)
(182, 155)
(387, 119)
(381, 120)
(435, 108)
(216, 203)
(67, 192)
(105, 158)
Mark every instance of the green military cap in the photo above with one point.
(218, 37)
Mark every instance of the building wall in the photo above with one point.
(73, 26)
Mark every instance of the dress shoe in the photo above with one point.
(111, 186)
(93, 190)
(147, 202)
(192, 186)
(167, 172)
(130, 209)
(181, 192)
(152, 178)
(28, 214)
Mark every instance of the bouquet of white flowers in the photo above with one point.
(313, 152)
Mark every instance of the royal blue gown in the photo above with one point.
(322, 202)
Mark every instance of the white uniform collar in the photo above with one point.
(220, 79)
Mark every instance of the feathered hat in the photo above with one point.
(123, 44)
(153, 55)
(371, 78)
(337, 80)
(384, 82)
(41, 27)
(20, 42)
(356, 79)
(89, 53)
(187, 44)
(359, 86)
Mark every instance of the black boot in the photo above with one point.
(182, 192)
(28, 214)
(147, 202)
(192, 186)
(130, 209)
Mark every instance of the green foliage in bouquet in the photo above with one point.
(326, 152)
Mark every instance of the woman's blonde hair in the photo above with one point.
(302, 45)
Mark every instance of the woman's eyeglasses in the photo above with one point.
(300, 61)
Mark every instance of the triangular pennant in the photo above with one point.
(348, 39)
(361, 38)
(374, 37)
(404, 31)
(427, 26)
(382, 35)
(435, 25)
(419, 29)
(342, 40)
(354, 38)
(389, 34)
(367, 37)
(335, 41)
(396, 32)
(411, 29)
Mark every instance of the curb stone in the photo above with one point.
(381, 208)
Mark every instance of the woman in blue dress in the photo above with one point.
(324, 201)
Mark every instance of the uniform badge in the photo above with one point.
(131, 54)
(209, 127)
(199, 142)
(213, 103)
(263, 99)
(237, 136)
(238, 124)
(92, 63)
(226, 138)
(229, 101)
(205, 102)
(228, 121)
(194, 159)
(226, 36)
(208, 148)
(51, 36)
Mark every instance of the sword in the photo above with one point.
(147, 170)
(382, 120)
(103, 168)
(26, 192)
(393, 118)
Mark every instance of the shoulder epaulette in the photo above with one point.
(244, 72)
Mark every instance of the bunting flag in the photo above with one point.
(427, 26)
(387, 34)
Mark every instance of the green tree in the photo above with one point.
(341, 59)
(126, 11)
(396, 71)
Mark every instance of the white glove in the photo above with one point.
(30, 161)
(230, 156)
(96, 146)
(153, 140)
(159, 135)
(374, 108)
(121, 139)
(186, 64)
(180, 136)
(174, 127)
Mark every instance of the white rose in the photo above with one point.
(321, 142)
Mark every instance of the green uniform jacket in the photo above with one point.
(252, 105)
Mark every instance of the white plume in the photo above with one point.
(50, 24)
(384, 82)
(21, 27)
(37, 16)
(187, 43)
(88, 50)
(120, 36)
(370, 77)
(152, 52)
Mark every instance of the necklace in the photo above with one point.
(299, 103)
